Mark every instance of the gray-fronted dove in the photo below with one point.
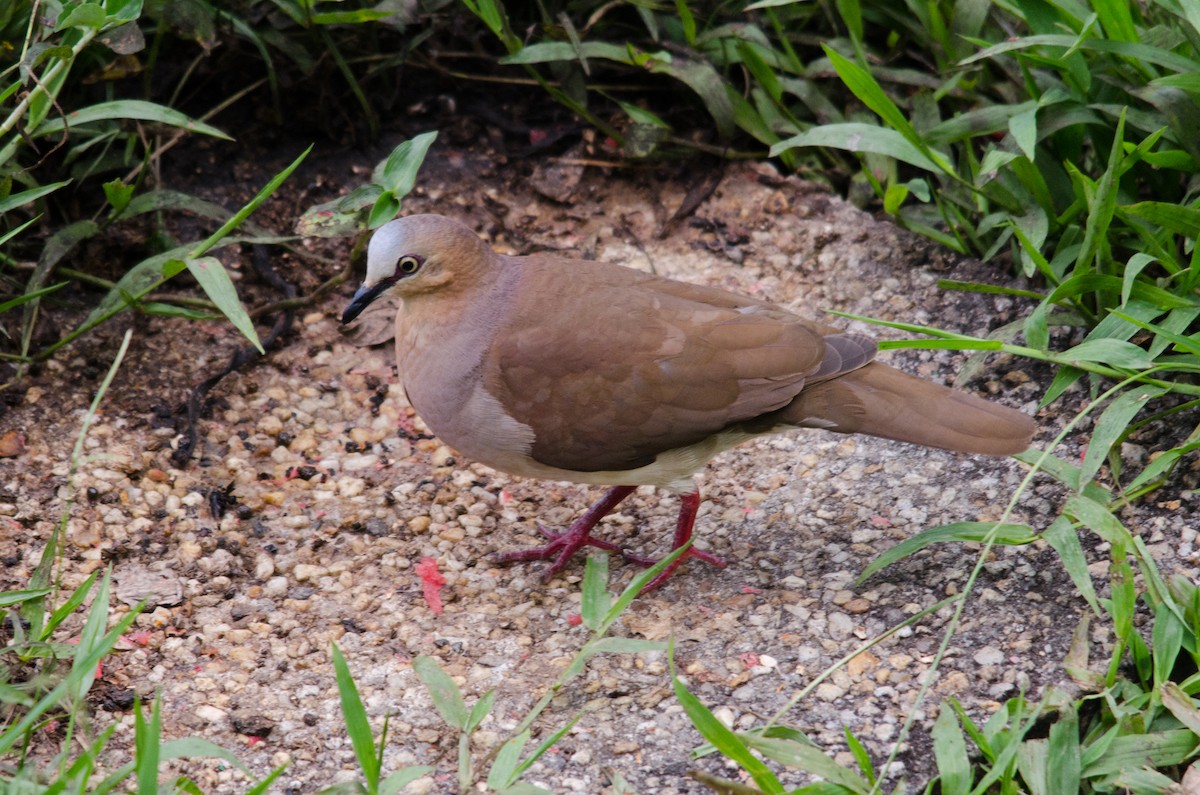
(563, 369)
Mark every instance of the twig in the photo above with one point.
(244, 355)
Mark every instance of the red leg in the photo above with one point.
(565, 544)
(683, 532)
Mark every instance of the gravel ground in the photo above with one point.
(340, 492)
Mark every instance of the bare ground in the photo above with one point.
(248, 604)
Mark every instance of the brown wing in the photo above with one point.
(660, 364)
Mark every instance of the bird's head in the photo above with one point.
(416, 254)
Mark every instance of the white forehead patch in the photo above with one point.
(384, 250)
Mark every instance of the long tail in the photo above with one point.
(882, 401)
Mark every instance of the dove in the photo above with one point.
(562, 369)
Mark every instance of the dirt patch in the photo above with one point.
(248, 601)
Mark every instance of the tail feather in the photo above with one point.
(882, 401)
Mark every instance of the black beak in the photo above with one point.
(362, 299)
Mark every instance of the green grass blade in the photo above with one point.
(91, 637)
(1160, 749)
(726, 742)
(10, 598)
(214, 279)
(809, 758)
(950, 751)
(1061, 536)
(1181, 705)
(264, 786)
(147, 742)
(864, 86)
(355, 716)
(504, 769)
(480, 710)
(859, 137)
(1162, 464)
(861, 757)
(129, 109)
(1007, 534)
(1112, 352)
(238, 218)
(638, 583)
(15, 200)
(1166, 641)
(1112, 424)
(31, 296)
(543, 747)
(595, 599)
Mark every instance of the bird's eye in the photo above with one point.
(407, 266)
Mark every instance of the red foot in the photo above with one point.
(683, 532)
(562, 546)
(565, 544)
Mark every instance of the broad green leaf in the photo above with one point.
(1132, 268)
(1181, 705)
(1023, 127)
(1032, 764)
(1076, 660)
(1064, 774)
(1159, 749)
(198, 747)
(1098, 518)
(989, 167)
(442, 689)
(385, 209)
(395, 782)
(548, 52)
(1166, 639)
(707, 83)
(214, 279)
(399, 171)
(1178, 219)
(84, 15)
(118, 195)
